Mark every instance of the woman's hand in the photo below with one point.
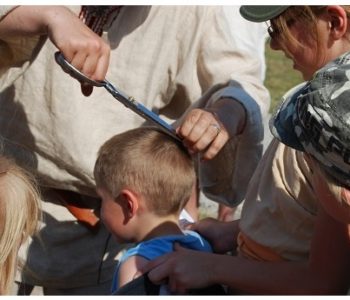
(83, 48)
(182, 269)
(203, 131)
(208, 130)
(221, 235)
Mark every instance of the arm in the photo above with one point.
(227, 159)
(129, 269)
(199, 134)
(326, 272)
(82, 47)
(241, 102)
(221, 235)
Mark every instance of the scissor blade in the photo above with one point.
(129, 102)
(141, 110)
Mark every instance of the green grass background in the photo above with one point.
(280, 75)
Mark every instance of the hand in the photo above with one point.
(184, 269)
(203, 131)
(208, 130)
(84, 49)
(221, 235)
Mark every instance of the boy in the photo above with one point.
(145, 178)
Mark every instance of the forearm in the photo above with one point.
(269, 278)
(216, 174)
(231, 113)
(229, 236)
(225, 178)
(221, 235)
(29, 20)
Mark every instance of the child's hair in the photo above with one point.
(307, 15)
(19, 216)
(149, 162)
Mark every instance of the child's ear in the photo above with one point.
(338, 21)
(130, 203)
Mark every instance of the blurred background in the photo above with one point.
(280, 75)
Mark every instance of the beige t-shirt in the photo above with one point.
(280, 207)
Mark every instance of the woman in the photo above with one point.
(287, 242)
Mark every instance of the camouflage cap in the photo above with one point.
(316, 119)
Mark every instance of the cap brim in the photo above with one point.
(261, 13)
(282, 124)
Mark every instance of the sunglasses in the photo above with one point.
(274, 32)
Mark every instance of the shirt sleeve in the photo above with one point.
(5, 9)
(16, 53)
(225, 178)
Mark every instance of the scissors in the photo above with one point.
(128, 101)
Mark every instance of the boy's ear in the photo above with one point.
(130, 203)
(338, 21)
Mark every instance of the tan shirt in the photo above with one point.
(166, 57)
(280, 207)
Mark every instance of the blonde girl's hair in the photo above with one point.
(19, 216)
(307, 15)
(150, 163)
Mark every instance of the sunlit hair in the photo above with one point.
(148, 162)
(19, 215)
(307, 15)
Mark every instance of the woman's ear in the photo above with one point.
(338, 21)
(130, 203)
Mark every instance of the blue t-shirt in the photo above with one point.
(153, 248)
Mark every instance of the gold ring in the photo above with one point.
(217, 127)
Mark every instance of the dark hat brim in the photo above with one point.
(261, 13)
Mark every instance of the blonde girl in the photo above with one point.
(19, 215)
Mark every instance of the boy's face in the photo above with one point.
(113, 216)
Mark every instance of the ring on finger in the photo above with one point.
(217, 127)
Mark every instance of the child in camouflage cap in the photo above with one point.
(316, 121)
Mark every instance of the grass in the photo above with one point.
(280, 75)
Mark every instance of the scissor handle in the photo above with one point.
(74, 72)
(121, 97)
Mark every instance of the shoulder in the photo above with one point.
(130, 268)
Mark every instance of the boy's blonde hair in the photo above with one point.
(150, 163)
(19, 215)
(302, 13)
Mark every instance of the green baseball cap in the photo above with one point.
(261, 13)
